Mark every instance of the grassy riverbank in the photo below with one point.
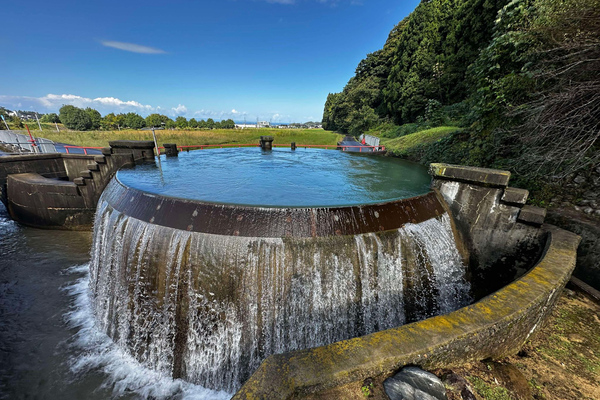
(410, 146)
(561, 362)
(192, 137)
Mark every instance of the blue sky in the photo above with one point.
(272, 59)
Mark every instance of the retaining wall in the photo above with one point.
(61, 191)
(495, 326)
(501, 234)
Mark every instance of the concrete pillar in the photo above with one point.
(142, 150)
(266, 142)
(171, 149)
(293, 146)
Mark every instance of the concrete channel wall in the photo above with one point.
(61, 191)
(486, 213)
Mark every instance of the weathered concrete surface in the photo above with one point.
(515, 196)
(480, 176)
(46, 202)
(495, 326)
(236, 220)
(60, 191)
(588, 253)
(499, 243)
(532, 215)
(140, 149)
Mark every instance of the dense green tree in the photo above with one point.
(156, 120)
(202, 124)
(181, 122)
(227, 124)
(210, 123)
(170, 124)
(95, 118)
(192, 123)
(426, 57)
(75, 118)
(50, 118)
(134, 121)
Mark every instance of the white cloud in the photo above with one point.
(52, 102)
(179, 110)
(132, 47)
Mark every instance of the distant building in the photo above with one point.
(259, 124)
(245, 126)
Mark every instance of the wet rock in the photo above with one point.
(579, 179)
(412, 383)
(597, 213)
(588, 210)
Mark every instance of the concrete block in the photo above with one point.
(79, 181)
(515, 196)
(107, 151)
(86, 174)
(480, 176)
(532, 215)
(132, 144)
(93, 167)
(100, 159)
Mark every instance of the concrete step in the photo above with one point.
(93, 167)
(79, 181)
(100, 159)
(532, 215)
(86, 174)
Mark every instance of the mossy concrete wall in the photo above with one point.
(493, 327)
(500, 232)
(504, 239)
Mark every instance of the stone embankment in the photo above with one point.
(61, 191)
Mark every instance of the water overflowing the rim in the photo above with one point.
(97, 352)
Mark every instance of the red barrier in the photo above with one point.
(85, 148)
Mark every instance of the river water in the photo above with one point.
(49, 346)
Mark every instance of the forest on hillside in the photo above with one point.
(520, 78)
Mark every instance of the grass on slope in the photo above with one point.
(192, 137)
(406, 145)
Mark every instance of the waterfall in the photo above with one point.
(209, 308)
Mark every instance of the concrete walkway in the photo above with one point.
(360, 148)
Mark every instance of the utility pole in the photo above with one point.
(38, 121)
(7, 128)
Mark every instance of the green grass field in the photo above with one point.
(405, 144)
(191, 137)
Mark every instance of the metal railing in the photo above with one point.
(320, 146)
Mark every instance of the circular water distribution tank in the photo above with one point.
(204, 265)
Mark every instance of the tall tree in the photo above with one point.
(181, 122)
(134, 121)
(75, 118)
(95, 117)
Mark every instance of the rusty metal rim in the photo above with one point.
(253, 221)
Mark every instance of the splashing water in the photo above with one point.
(97, 351)
(209, 308)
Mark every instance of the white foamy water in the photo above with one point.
(209, 308)
(95, 351)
